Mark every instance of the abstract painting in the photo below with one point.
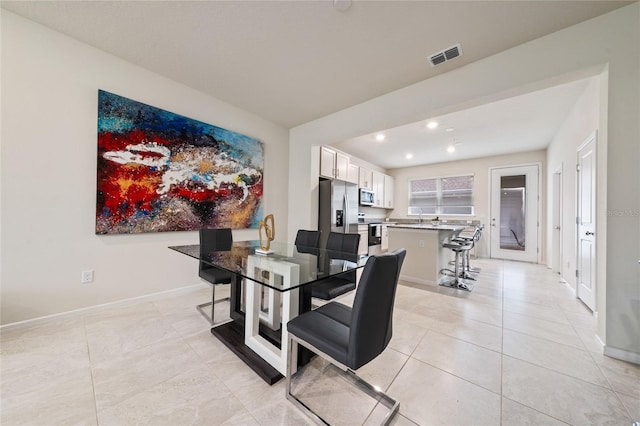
(159, 171)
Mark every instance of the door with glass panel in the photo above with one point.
(514, 220)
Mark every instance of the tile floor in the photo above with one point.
(518, 350)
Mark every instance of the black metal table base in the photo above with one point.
(232, 335)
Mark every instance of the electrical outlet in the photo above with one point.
(87, 277)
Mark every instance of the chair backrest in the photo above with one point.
(307, 240)
(343, 246)
(372, 313)
(220, 239)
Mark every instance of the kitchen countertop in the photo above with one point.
(376, 221)
(428, 226)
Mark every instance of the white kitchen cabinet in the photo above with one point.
(384, 239)
(363, 245)
(378, 189)
(366, 178)
(327, 162)
(352, 173)
(342, 166)
(335, 165)
(389, 183)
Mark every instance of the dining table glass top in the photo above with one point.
(243, 259)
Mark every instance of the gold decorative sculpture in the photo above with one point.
(269, 227)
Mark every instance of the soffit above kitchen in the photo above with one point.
(295, 61)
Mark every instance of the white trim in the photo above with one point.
(622, 354)
(21, 325)
(560, 172)
(602, 345)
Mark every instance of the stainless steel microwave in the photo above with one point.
(366, 197)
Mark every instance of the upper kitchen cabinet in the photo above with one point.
(389, 183)
(335, 165)
(378, 189)
(366, 178)
(353, 172)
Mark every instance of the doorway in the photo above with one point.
(515, 213)
(586, 222)
(556, 230)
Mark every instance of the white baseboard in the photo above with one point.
(602, 345)
(622, 354)
(20, 325)
(416, 280)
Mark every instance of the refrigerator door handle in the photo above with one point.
(345, 201)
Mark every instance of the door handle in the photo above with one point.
(590, 233)
(557, 227)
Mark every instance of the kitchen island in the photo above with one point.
(425, 254)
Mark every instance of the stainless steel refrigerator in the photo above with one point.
(338, 208)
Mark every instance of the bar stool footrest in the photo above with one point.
(459, 283)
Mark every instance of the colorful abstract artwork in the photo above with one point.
(159, 171)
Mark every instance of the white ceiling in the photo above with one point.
(295, 61)
(518, 124)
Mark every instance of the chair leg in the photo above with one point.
(366, 387)
(465, 273)
(454, 263)
(469, 267)
(456, 281)
(213, 302)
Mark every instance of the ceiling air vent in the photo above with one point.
(445, 55)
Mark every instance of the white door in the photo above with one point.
(556, 231)
(514, 213)
(586, 221)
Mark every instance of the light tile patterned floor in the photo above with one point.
(518, 350)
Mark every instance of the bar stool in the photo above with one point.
(453, 278)
(467, 270)
(473, 239)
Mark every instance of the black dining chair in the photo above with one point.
(307, 241)
(339, 246)
(348, 337)
(212, 240)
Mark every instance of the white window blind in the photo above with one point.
(441, 196)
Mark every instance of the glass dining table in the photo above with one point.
(267, 291)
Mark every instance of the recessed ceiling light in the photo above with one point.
(380, 137)
(341, 5)
(432, 124)
(450, 129)
(451, 149)
(409, 156)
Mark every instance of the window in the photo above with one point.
(441, 196)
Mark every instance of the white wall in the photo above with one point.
(585, 118)
(562, 153)
(579, 51)
(479, 167)
(50, 86)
